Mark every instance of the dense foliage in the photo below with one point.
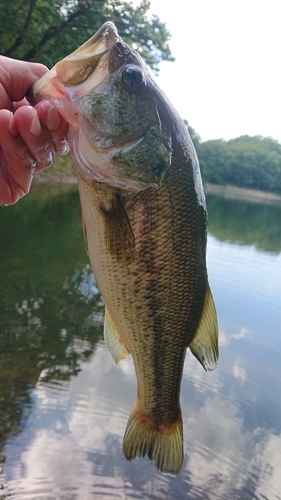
(44, 31)
(249, 162)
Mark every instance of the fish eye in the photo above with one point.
(132, 77)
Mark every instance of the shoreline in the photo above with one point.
(66, 174)
(237, 193)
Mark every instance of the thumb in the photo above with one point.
(17, 76)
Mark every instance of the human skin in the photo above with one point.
(30, 136)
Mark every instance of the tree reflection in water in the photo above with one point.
(48, 298)
(246, 223)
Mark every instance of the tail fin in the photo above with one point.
(162, 446)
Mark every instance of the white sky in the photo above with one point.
(226, 80)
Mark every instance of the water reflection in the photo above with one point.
(46, 300)
(66, 405)
(246, 223)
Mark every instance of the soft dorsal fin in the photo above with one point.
(204, 346)
(113, 341)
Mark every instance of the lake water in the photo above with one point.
(64, 405)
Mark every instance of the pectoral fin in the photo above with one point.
(119, 235)
(204, 346)
(113, 341)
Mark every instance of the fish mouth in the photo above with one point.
(78, 66)
(77, 73)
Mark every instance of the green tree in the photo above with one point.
(249, 162)
(44, 31)
(213, 159)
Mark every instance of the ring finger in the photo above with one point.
(16, 162)
(35, 136)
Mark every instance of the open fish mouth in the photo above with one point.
(87, 57)
(79, 72)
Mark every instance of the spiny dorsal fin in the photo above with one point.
(113, 341)
(204, 346)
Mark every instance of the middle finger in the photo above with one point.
(55, 124)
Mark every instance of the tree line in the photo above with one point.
(249, 162)
(44, 31)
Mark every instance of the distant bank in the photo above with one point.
(64, 171)
(238, 193)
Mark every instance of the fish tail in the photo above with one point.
(162, 444)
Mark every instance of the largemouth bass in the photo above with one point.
(144, 219)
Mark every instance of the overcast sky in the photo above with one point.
(226, 80)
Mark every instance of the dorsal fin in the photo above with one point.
(204, 346)
(113, 340)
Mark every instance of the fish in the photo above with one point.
(145, 226)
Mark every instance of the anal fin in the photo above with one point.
(113, 341)
(204, 346)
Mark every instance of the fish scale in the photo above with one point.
(144, 220)
(158, 399)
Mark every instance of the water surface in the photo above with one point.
(64, 405)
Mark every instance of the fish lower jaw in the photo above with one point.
(49, 87)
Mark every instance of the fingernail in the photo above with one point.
(53, 120)
(61, 147)
(32, 167)
(35, 127)
(12, 126)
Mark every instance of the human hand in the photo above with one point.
(30, 137)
